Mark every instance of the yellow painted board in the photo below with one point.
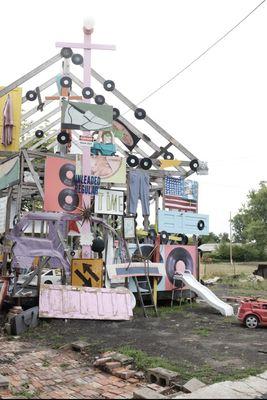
(169, 163)
(87, 272)
(15, 95)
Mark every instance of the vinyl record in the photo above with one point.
(77, 59)
(72, 195)
(140, 113)
(164, 237)
(99, 99)
(31, 95)
(132, 160)
(39, 133)
(201, 225)
(72, 253)
(146, 163)
(66, 52)
(109, 86)
(168, 155)
(63, 137)
(63, 174)
(176, 255)
(116, 113)
(87, 92)
(66, 82)
(194, 164)
(184, 239)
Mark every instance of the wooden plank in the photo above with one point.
(149, 120)
(34, 173)
(30, 74)
(36, 123)
(42, 87)
(32, 137)
(7, 228)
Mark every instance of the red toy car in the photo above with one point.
(253, 313)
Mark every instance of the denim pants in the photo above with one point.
(138, 189)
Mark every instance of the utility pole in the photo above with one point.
(231, 248)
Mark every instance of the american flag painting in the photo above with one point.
(180, 194)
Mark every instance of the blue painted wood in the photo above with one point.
(182, 222)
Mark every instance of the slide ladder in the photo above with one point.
(206, 294)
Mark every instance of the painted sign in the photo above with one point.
(9, 173)
(59, 186)
(86, 116)
(129, 228)
(183, 222)
(127, 137)
(87, 272)
(86, 184)
(3, 206)
(110, 169)
(10, 120)
(109, 202)
(86, 139)
(58, 301)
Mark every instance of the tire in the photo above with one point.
(63, 138)
(132, 161)
(146, 163)
(109, 86)
(77, 59)
(39, 133)
(252, 321)
(87, 92)
(66, 82)
(48, 283)
(194, 164)
(140, 113)
(116, 113)
(168, 155)
(99, 99)
(31, 95)
(66, 52)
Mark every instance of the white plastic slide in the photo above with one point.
(206, 294)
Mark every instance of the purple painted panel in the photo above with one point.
(58, 301)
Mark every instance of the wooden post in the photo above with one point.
(7, 226)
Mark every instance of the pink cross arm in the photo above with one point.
(83, 46)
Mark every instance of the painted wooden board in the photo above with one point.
(58, 301)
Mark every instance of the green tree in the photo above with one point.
(224, 237)
(210, 238)
(250, 224)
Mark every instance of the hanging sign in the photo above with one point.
(86, 140)
(109, 202)
(87, 184)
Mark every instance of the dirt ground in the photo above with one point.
(195, 340)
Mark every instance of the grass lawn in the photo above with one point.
(222, 269)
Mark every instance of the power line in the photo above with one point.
(200, 56)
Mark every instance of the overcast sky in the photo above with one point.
(216, 108)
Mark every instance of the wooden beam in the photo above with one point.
(34, 173)
(30, 74)
(42, 87)
(36, 123)
(149, 120)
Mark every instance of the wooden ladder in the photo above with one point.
(142, 295)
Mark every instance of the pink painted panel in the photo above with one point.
(58, 301)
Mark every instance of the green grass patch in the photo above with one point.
(202, 331)
(187, 370)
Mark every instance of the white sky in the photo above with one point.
(216, 108)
